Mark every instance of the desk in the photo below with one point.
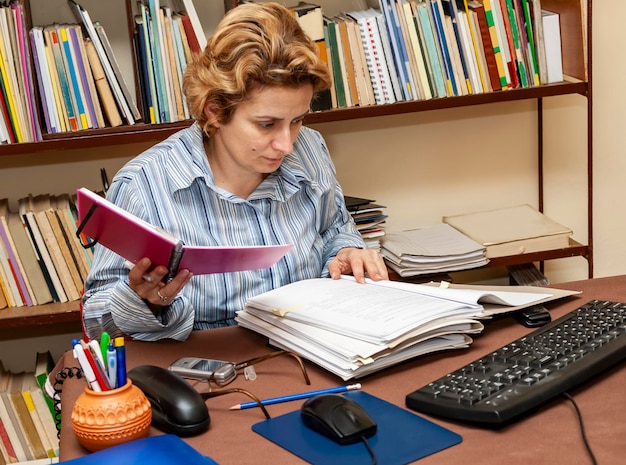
(551, 435)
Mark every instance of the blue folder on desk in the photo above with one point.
(165, 449)
(402, 436)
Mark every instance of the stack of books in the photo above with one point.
(166, 38)
(41, 258)
(435, 249)
(27, 416)
(421, 49)
(370, 219)
(354, 329)
(18, 107)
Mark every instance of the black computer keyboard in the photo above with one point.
(509, 383)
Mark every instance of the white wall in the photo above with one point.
(425, 165)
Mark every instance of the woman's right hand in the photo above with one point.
(148, 283)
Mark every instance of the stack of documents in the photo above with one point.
(369, 218)
(434, 249)
(353, 329)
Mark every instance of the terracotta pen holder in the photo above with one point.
(107, 418)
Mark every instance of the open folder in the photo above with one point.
(133, 238)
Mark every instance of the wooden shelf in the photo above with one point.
(139, 133)
(40, 320)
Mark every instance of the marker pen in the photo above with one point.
(104, 345)
(120, 352)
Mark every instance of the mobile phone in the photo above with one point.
(204, 368)
(533, 317)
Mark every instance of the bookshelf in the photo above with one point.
(577, 65)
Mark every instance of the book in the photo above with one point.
(69, 102)
(64, 246)
(83, 16)
(46, 95)
(28, 217)
(15, 261)
(417, 53)
(487, 45)
(63, 212)
(512, 230)
(353, 329)
(552, 41)
(311, 19)
(46, 430)
(30, 262)
(398, 50)
(94, 109)
(44, 364)
(336, 54)
(14, 434)
(76, 86)
(108, 50)
(428, 38)
(111, 226)
(9, 279)
(41, 206)
(374, 56)
(22, 414)
(103, 88)
(496, 45)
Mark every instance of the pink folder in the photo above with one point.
(133, 238)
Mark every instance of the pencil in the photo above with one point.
(291, 397)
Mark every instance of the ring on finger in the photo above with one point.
(163, 298)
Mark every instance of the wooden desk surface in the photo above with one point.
(551, 435)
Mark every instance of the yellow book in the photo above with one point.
(8, 78)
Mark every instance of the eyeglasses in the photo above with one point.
(227, 373)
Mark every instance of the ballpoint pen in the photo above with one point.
(112, 365)
(303, 395)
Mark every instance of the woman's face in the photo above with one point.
(262, 129)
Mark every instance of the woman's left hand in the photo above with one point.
(358, 262)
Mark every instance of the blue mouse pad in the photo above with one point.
(402, 436)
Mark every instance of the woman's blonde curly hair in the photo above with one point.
(254, 45)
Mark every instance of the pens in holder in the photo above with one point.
(129, 265)
(120, 352)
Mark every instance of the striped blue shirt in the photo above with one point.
(171, 186)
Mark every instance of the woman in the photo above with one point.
(245, 173)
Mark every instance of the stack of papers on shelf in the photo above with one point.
(512, 230)
(435, 249)
(369, 218)
(353, 329)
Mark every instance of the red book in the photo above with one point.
(111, 226)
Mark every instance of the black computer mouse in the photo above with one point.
(176, 406)
(337, 417)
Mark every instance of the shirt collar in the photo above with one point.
(192, 164)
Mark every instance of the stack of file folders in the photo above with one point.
(353, 329)
(369, 218)
(431, 250)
